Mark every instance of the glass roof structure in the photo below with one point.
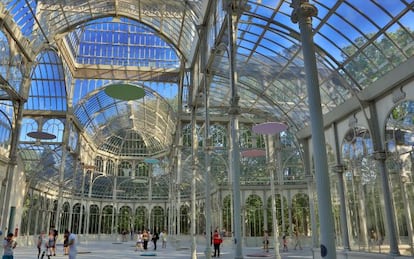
(72, 50)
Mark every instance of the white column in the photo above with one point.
(302, 14)
(81, 210)
(234, 129)
(114, 208)
(193, 182)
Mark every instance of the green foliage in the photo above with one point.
(372, 62)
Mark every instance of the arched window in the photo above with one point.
(55, 127)
(110, 167)
(93, 219)
(157, 218)
(399, 139)
(124, 169)
(142, 169)
(141, 218)
(184, 219)
(254, 216)
(361, 181)
(218, 135)
(125, 219)
(106, 226)
(28, 125)
(301, 214)
(99, 164)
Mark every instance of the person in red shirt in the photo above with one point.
(217, 240)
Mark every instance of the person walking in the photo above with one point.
(51, 243)
(8, 246)
(285, 242)
(297, 240)
(55, 236)
(155, 238)
(266, 241)
(163, 237)
(139, 243)
(65, 244)
(72, 244)
(39, 242)
(145, 238)
(42, 246)
(217, 240)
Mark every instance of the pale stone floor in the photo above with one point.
(115, 250)
(107, 249)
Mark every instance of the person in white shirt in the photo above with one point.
(139, 243)
(163, 237)
(8, 246)
(42, 245)
(72, 244)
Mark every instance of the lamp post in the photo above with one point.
(271, 129)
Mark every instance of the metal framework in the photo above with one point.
(57, 57)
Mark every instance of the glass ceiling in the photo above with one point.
(268, 44)
(353, 51)
(116, 126)
(120, 42)
(153, 43)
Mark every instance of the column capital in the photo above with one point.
(234, 110)
(231, 7)
(13, 160)
(302, 9)
(234, 106)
